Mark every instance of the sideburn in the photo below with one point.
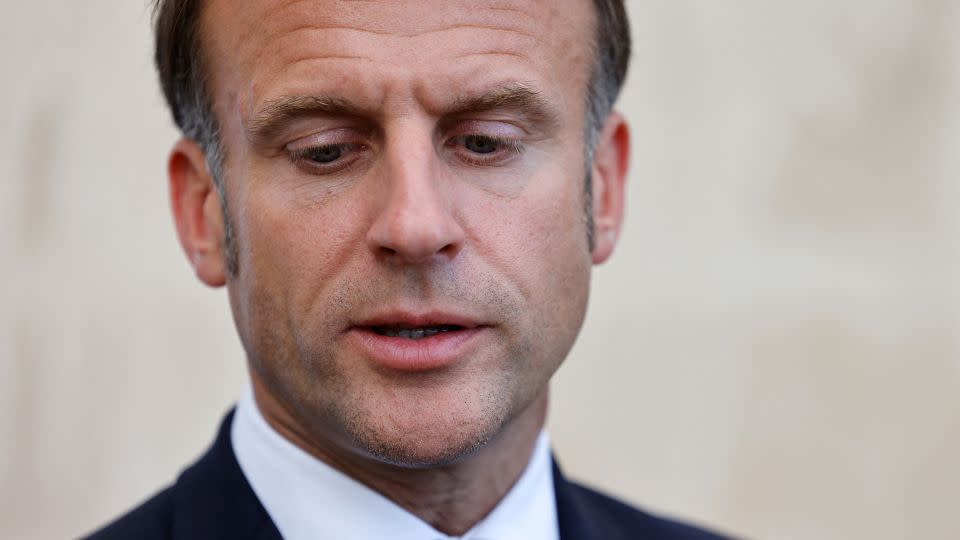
(231, 257)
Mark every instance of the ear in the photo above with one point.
(611, 159)
(196, 211)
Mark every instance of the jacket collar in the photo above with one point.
(214, 501)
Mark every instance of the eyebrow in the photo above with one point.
(276, 114)
(514, 97)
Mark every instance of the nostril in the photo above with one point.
(449, 250)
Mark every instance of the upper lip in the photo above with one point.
(402, 318)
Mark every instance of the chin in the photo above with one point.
(423, 453)
(426, 438)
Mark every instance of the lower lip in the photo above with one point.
(428, 353)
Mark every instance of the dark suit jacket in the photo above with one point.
(212, 500)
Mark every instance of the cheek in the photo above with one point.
(556, 236)
(564, 270)
(539, 242)
(296, 237)
(297, 253)
(558, 274)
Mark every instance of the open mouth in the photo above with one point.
(416, 342)
(415, 332)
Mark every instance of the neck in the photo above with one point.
(451, 498)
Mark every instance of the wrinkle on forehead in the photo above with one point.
(408, 34)
(350, 36)
(264, 43)
(337, 42)
(255, 25)
(404, 18)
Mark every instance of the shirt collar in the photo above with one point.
(308, 499)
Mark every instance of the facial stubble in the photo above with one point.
(325, 404)
(407, 420)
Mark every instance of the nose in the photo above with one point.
(416, 223)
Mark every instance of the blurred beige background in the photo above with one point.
(773, 350)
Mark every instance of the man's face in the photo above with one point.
(405, 180)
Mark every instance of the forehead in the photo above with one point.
(394, 53)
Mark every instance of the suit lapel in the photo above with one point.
(574, 519)
(214, 501)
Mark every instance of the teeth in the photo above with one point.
(413, 333)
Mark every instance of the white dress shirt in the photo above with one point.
(309, 500)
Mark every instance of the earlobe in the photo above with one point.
(611, 160)
(196, 211)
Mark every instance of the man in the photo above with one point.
(404, 200)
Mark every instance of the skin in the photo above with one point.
(413, 213)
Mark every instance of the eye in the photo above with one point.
(325, 154)
(485, 149)
(480, 144)
(325, 158)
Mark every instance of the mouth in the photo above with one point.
(416, 342)
(415, 332)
